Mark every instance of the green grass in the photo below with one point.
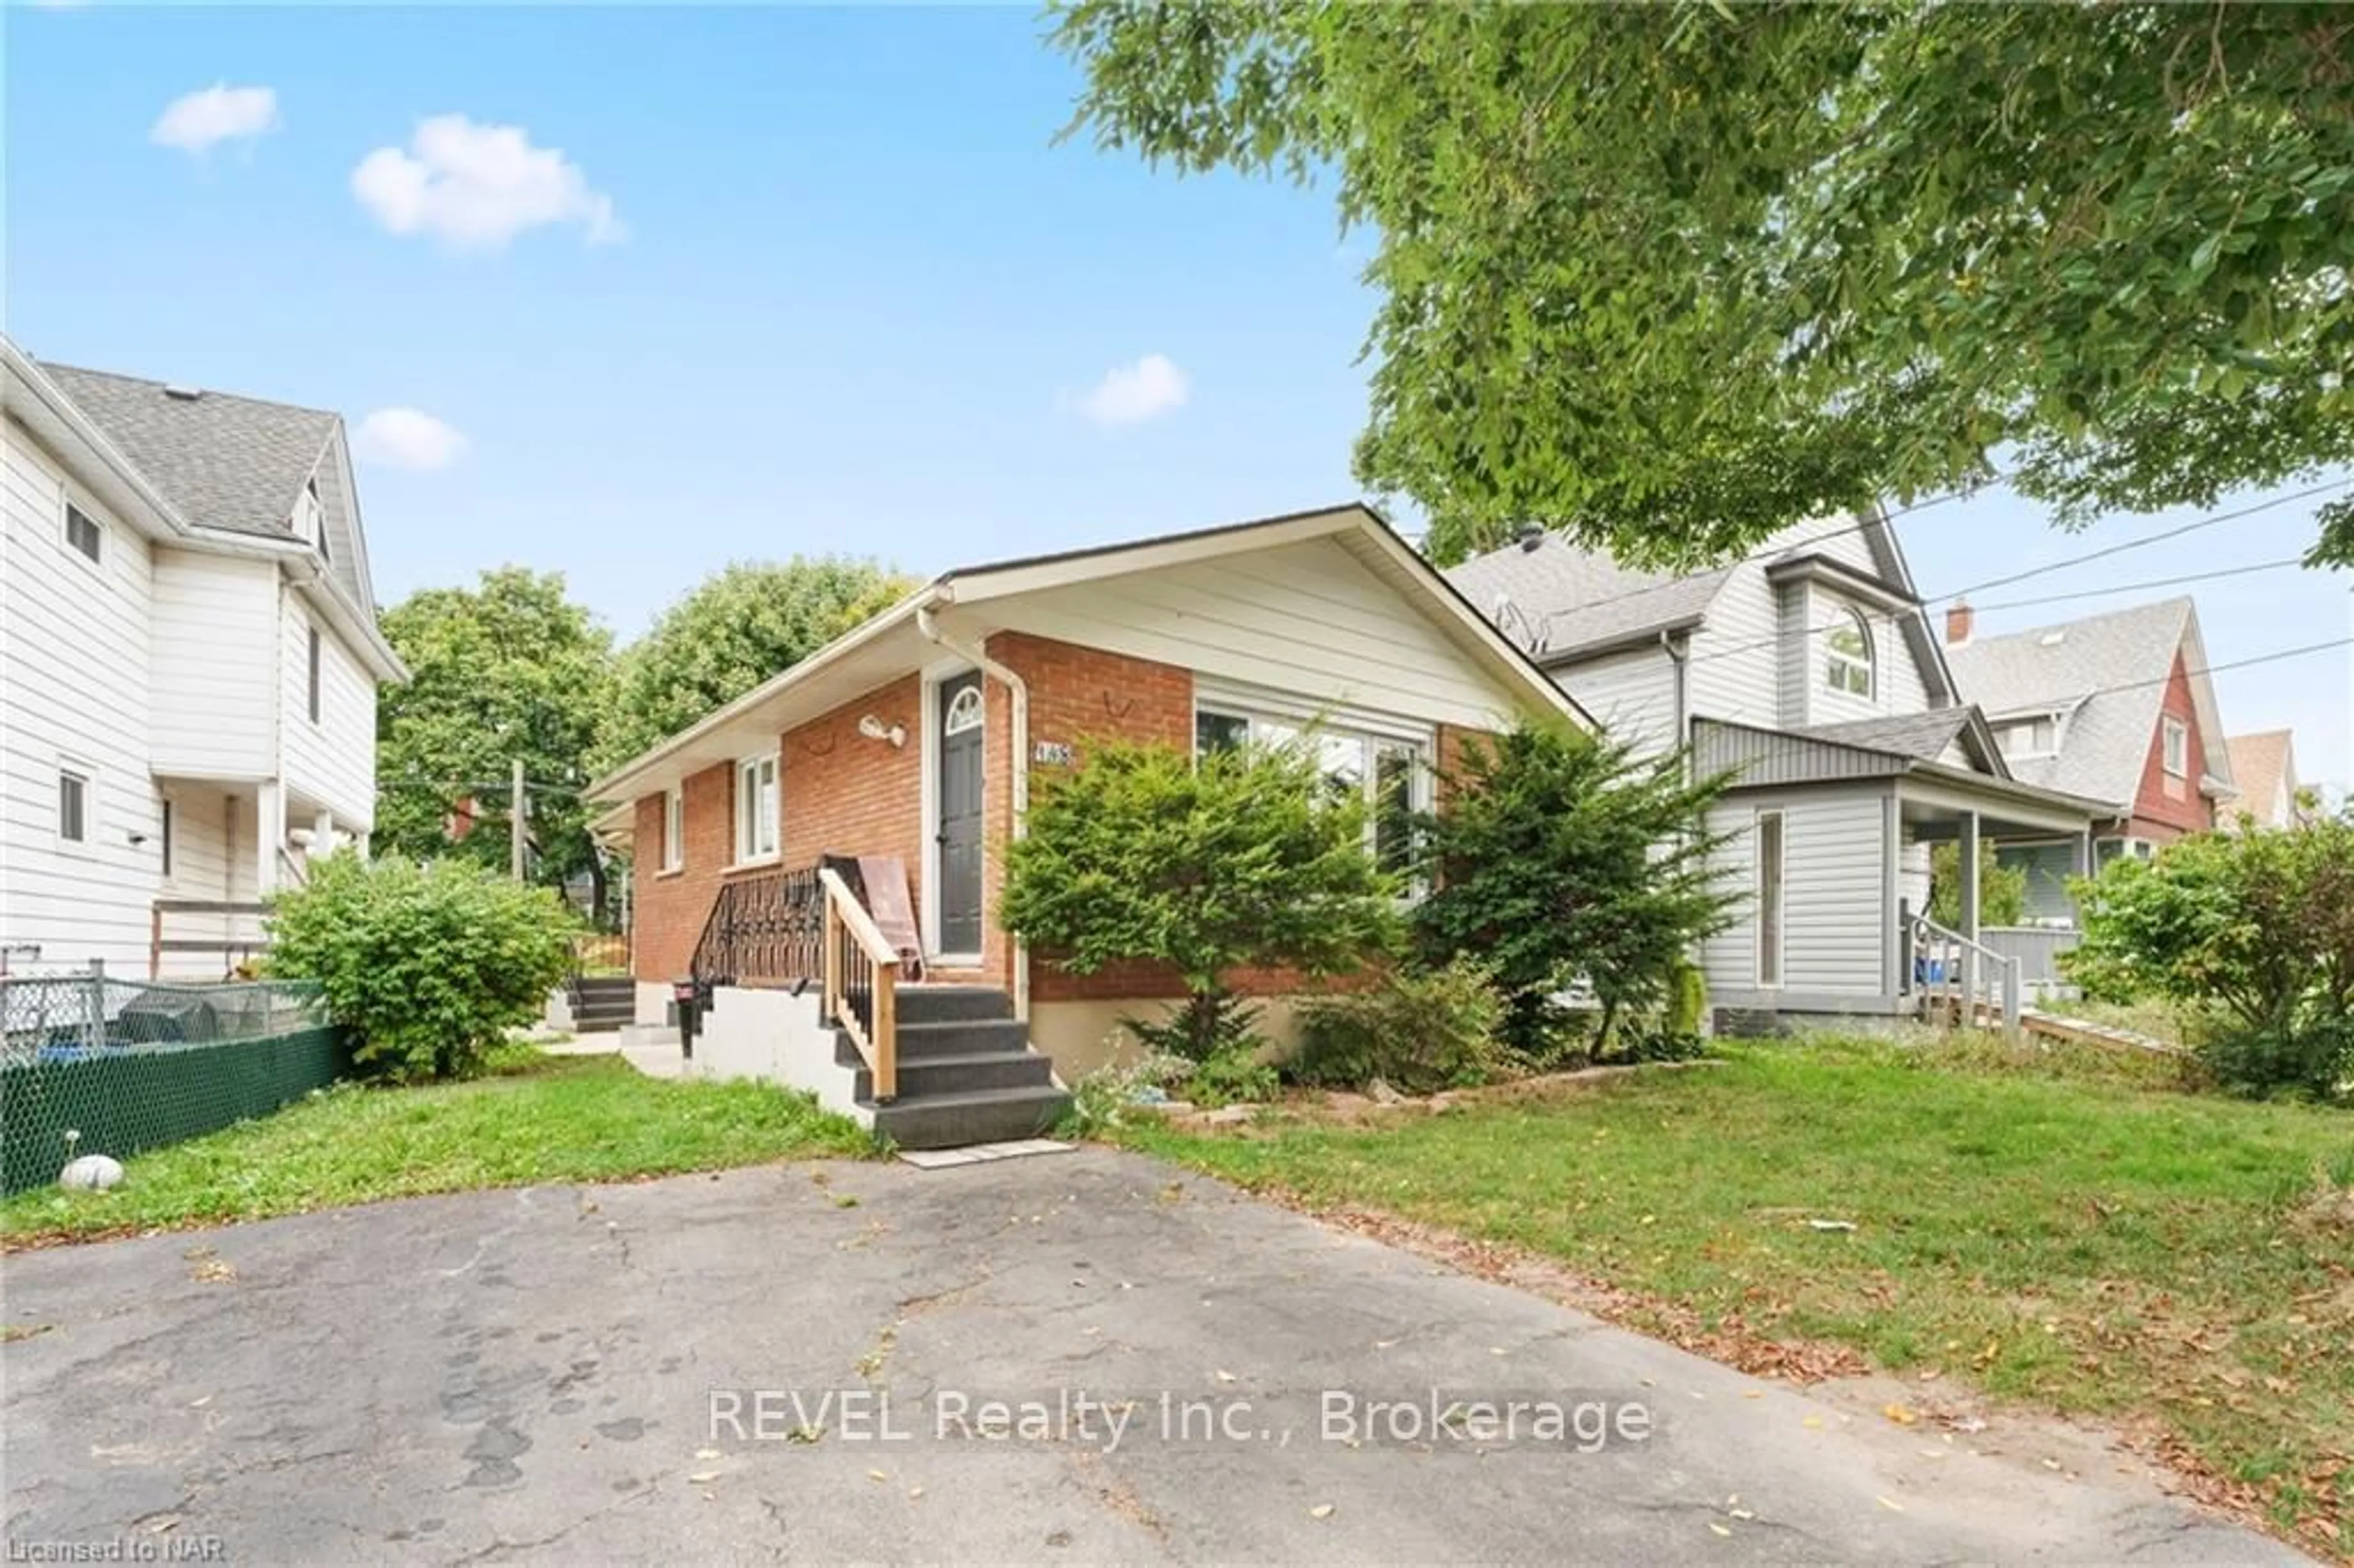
(2051, 1228)
(537, 1119)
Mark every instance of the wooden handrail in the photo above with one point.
(877, 1036)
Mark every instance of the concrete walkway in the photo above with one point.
(795, 1363)
(651, 1051)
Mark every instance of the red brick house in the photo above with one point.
(918, 735)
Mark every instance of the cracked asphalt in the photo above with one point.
(798, 1363)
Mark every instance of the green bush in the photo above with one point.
(2257, 927)
(2002, 889)
(1418, 1031)
(1563, 857)
(1236, 1075)
(428, 967)
(1242, 859)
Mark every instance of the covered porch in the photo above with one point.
(1830, 835)
(225, 846)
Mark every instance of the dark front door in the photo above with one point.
(959, 814)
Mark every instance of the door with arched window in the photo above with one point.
(957, 777)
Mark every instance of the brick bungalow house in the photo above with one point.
(917, 736)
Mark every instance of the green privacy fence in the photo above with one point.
(92, 1066)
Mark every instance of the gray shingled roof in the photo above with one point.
(1564, 598)
(223, 461)
(1924, 734)
(2070, 668)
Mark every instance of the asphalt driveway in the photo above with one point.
(869, 1363)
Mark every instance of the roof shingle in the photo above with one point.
(222, 460)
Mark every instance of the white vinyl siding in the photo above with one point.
(73, 692)
(1833, 924)
(1308, 618)
(331, 763)
(1736, 663)
(1631, 696)
(212, 861)
(215, 636)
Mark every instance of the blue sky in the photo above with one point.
(739, 282)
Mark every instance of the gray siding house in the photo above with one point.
(1809, 673)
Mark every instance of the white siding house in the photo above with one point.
(165, 555)
(1808, 672)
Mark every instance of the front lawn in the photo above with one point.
(537, 1119)
(2069, 1237)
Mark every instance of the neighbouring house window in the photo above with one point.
(317, 529)
(2107, 850)
(73, 806)
(313, 701)
(1769, 898)
(756, 806)
(673, 850)
(2030, 738)
(164, 815)
(1388, 772)
(1847, 657)
(2178, 748)
(82, 531)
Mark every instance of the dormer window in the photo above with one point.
(2030, 738)
(1847, 657)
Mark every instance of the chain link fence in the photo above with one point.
(90, 1064)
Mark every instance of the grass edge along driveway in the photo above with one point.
(2047, 1229)
(535, 1119)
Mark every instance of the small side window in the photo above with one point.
(82, 531)
(312, 699)
(2178, 748)
(73, 806)
(674, 849)
(164, 816)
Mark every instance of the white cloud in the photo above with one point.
(407, 438)
(1131, 393)
(478, 186)
(204, 119)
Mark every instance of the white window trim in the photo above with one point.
(673, 832)
(2026, 756)
(66, 507)
(2174, 747)
(1781, 894)
(1255, 707)
(86, 845)
(1835, 658)
(748, 852)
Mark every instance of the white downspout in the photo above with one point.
(1019, 740)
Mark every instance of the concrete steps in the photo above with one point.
(601, 1003)
(967, 1074)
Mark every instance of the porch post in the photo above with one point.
(2080, 863)
(1967, 845)
(268, 833)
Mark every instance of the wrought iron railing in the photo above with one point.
(767, 928)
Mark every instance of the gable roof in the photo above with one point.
(1563, 603)
(1557, 600)
(2107, 675)
(901, 638)
(222, 460)
(2261, 765)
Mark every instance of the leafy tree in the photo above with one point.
(2002, 889)
(429, 965)
(2259, 925)
(1558, 857)
(1671, 277)
(508, 668)
(743, 625)
(1242, 860)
